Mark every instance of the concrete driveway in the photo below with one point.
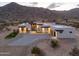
(28, 39)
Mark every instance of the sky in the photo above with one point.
(50, 4)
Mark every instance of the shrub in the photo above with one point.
(54, 43)
(11, 35)
(74, 52)
(75, 24)
(36, 51)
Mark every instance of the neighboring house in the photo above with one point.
(55, 31)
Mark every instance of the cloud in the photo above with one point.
(49, 5)
(77, 5)
(54, 5)
(33, 3)
(66, 6)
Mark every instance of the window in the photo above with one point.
(60, 31)
(70, 31)
(54, 33)
(22, 29)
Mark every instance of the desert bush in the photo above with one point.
(75, 24)
(37, 51)
(54, 43)
(74, 52)
(11, 35)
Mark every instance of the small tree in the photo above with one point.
(54, 43)
(74, 52)
(36, 51)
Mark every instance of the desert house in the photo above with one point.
(55, 31)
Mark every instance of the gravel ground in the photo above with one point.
(44, 45)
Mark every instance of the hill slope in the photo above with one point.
(14, 11)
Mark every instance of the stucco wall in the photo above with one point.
(66, 33)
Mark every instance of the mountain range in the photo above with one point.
(14, 11)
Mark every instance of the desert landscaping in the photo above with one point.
(38, 31)
(11, 47)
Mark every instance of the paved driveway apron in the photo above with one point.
(28, 39)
